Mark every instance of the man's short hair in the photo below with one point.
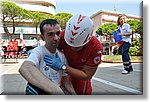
(47, 21)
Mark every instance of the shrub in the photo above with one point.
(133, 51)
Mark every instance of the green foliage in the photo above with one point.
(137, 48)
(63, 18)
(10, 13)
(133, 51)
(133, 24)
(138, 42)
(10, 9)
(106, 29)
(140, 28)
(136, 26)
(37, 18)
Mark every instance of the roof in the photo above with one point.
(46, 2)
(114, 13)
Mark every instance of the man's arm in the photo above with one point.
(125, 34)
(86, 73)
(68, 85)
(29, 71)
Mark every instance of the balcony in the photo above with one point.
(40, 8)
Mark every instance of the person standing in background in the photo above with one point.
(15, 48)
(126, 31)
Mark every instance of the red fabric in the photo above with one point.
(120, 43)
(79, 86)
(15, 45)
(89, 55)
(8, 49)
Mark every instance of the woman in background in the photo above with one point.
(126, 31)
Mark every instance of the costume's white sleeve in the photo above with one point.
(34, 57)
(128, 28)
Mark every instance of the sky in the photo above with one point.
(90, 7)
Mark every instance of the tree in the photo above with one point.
(107, 30)
(38, 17)
(10, 14)
(134, 25)
(63, 18)
(137, 27)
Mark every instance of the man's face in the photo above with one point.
(51, 36)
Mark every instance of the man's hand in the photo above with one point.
(53, 61)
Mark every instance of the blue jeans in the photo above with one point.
(125, 56)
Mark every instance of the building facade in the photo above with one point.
(45, 6)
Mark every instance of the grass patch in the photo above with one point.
(119, 58)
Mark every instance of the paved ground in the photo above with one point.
(108, 80)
